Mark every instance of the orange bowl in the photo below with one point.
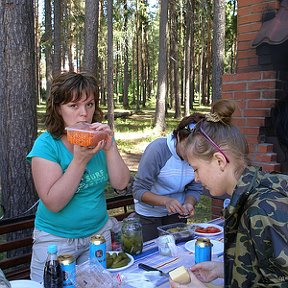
(81, 134)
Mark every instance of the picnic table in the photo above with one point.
(151, 256)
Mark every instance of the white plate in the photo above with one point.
(205, 225)
(217, 248)
(124, 267)
(25, 284)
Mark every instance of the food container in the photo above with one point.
(182, 232)
(83, 135)
(166, 245)
(131, 238)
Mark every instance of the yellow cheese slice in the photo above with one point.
(180, 275)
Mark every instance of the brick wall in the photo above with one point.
(249, 21)
(254, 91)
(255, 94)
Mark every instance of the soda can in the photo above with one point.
(98, 249)
(68, 267)
(203, 250)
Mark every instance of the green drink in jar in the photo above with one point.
(131, 238)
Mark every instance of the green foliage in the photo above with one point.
(202, 210)
(141, 37)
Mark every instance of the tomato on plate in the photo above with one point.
(209, 229)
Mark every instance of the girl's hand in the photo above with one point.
(208, 271)
(83, 154)
(189, 210)
(173, 206)
(104, 144)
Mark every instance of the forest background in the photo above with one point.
(167, 57)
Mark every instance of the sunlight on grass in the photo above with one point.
(135, 142)
(133, 134)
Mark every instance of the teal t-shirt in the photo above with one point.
(86, 212)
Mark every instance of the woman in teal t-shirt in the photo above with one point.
(70, 179)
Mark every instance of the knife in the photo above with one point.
(149, 268)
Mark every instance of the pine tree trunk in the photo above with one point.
(18, 126)
(110, 64)
(175, 59)
(57, 37)
(47, 38)
(91, 36)
(162, 70)
(126, 59)
(187, 58)
(218, 48)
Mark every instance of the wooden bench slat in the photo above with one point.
(7, 226)
(24, 273)
(117, 203)
(15, 261)
(15, 244)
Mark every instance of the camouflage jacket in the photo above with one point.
(256, 231)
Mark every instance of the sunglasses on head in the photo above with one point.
(217, 147)
(190, 127)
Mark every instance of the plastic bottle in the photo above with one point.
(226, 202)
(52, 271)
(116, 234)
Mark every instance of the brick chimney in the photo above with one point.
(254, 90)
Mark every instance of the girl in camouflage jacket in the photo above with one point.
(256, 229)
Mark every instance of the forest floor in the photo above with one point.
(131, 160)
(133, 134)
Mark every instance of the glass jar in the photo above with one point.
(131, 238)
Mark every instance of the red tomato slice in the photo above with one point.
(209, 229)
(200, 230)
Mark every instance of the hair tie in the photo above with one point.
(214, 117)
(191, 126)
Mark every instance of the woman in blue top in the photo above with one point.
(70, 179)
(164, 186)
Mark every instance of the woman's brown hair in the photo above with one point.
(65, 88)
(216, 133)
(183, 129)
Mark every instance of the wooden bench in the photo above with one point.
(17, 266)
